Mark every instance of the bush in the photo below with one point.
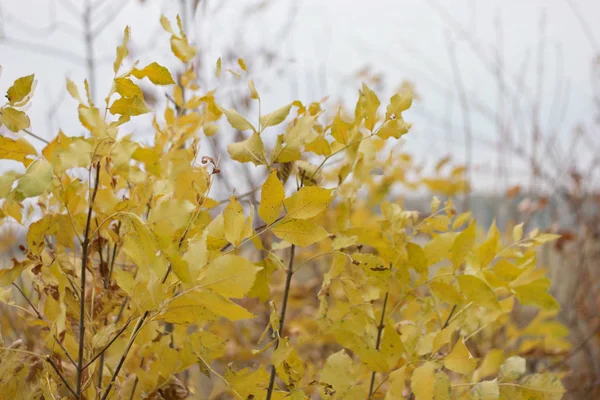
(135, 282)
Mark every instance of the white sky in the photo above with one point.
(329, 41)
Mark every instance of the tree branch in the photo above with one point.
(137, 328)
(84, 262)
(286, 294)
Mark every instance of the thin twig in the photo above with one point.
(41, 139)
(84, 262)
(101, 352)
(379, 333)
(449, 317)
(28, 301)
(286, 294)
(137, 328)
(61, 376)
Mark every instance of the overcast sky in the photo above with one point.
(327, 43)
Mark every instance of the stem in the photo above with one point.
(137, 328)
(89, 48)
(379, 333)
(28, 301)
(286, 293)
(84, 261)
(101, 352)
(60, 375)
(449, 317)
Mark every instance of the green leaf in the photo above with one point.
(36, 180)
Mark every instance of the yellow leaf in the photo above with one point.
(229, 276)
(486, 390)
(91, 119)
(36, 233)
(166, 24)
(512, 368)
(36, 180)
(9, 275)
(271, 198)
(242, 64)
(15, 120)
(518, 232)
(398, 103)
(489, 248)
(330, 373)
(460, 360)
(129, 106)
(442, 389)
(490, 364)
(253, 92)
(439, 247)
(202, 305)
(366, 107)
(442, 338)
(219, 66)
(276, 117)
(416, 257)
(397, 384)
(237, 121)
(126, 88)
(341, 130)
(395, 128)
(73, 91)
(157, 74)
(6, 182)
(544, 386)
(308, 202)
(210, 130)
(122, 51)
(477, 291)
(20, 90)
(435, 204)
(462, 245)
(300, 232)
(461, 219)
(19, 150)
(233, 219)
(445, 292)
(536, 294)
(182, 48)
(249, 150)
(423, 381)
(295, 137)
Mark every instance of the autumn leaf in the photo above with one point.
(36, 180)
(157, 74)
(15, 120)
(20, 90)
(307, 202)
(129, 106)
(271, 198)
(299, 232)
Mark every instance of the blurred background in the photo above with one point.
(509, 89)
